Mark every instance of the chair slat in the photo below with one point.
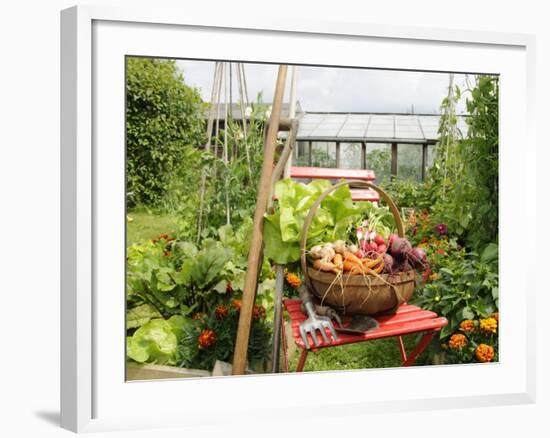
(331, 173)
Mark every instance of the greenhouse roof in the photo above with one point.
(372, 127)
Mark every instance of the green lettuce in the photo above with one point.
(283, 228)
(153, 342)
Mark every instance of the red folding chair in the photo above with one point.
(407, 320)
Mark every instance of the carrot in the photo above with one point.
(350, 257)
(351, 267)
(376, 270)
(370, 263)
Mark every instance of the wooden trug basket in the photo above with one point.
(357, 294)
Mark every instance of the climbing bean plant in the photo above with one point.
(466, 169)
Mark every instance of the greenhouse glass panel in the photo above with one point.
(409, 162)
(379, 160)
(301, 157)
(350, 156)
(323, 154)
(430, 159)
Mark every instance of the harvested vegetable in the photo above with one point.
(388, 263)
(349, 256)
(401, 248)
(338, 260)
(339, 246)
(418, 258)
(322, 265)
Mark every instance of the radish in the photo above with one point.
(360, 254)
(371, 247)
(382, 248)
(379, 240)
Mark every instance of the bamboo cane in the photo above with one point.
(254, 254)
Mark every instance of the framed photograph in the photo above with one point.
(171, 128)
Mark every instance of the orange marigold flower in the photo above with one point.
(207, 338)
(166, 237)
(457, 341)
(293, 280)
(467, 326)
(221, 311)
(434, 276)
(488, 325)
(197, 316)
(236, 304)
(258, 312)
(485, 353)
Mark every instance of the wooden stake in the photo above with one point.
(255, 251)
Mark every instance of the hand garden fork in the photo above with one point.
(314, 322)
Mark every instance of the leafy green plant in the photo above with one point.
(232, 171)
(164, 127)
(213, 338)
(464, 287)
(283, 228)
(465, 171)
(156, 341)
(410, 194)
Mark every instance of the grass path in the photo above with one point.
(143, 225)
(380, 353)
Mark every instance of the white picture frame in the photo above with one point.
(94, 41)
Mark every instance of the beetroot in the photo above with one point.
(401, 248)
(392, 239)
(388, 263)
(417, 257)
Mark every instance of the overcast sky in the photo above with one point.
(338, 89)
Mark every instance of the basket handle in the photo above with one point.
(321, 198)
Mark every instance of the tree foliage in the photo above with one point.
(164, 126)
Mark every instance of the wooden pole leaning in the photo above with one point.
(255, 250)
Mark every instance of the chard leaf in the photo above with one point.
(141, 315)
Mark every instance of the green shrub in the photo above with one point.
(164, 119)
